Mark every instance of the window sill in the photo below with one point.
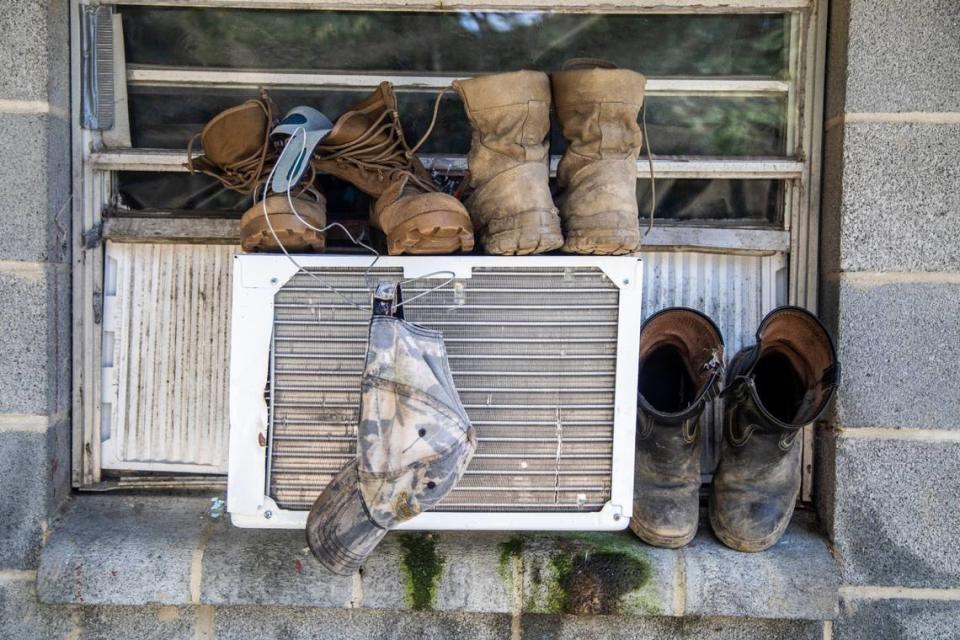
(134, 550)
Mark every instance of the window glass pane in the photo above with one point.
(456, 42)
(743, 202)
(694, 125)
(751, 202)
(700, 125)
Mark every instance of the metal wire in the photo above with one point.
(376, 254)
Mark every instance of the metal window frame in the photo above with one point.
(93, 165)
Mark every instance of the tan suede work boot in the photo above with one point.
(597, 109)
(237, 150)
(511, 205)
(367, 148)
(238, 153)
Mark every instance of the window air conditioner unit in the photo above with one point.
(543, 351)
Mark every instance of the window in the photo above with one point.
(732, 112)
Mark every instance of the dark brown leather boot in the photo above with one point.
(774, 388)
(681, 365)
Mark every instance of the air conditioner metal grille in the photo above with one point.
(533, 352)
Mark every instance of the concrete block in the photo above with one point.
(269, 623)
(256, 566)
(895, 512)
(118, 550)
(898, 346)
(385, 578)
(546, 627)
(473, 576)
(796, 579)
(595, 573)
(128, 550)
(35, 188)
(151, 621)
(35, 369)
(34, 470)
(900, 207)
(897, 620)
(34, 55)
(23, 618)
(903, 55)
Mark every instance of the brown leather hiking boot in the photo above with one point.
(367, 148)
(598, 109)
(774, 388)
(238, 152)
(511, 204)
(681, 366)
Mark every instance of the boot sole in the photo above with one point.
(431, 233)
(523, 233)
(656, 540)
(529, 242)
(295, 236)
(603, 242)
(747, 546)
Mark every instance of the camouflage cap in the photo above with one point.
(414, 441)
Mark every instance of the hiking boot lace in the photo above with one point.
(244, 175)
(382, 148)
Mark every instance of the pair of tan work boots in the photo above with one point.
(511, 205)
(238, 152)
(366, 148)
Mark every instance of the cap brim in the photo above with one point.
(339, 530)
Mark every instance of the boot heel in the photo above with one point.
(294, 235)
(432, 232)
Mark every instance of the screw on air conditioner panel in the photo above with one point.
(274, 280)
(268, 514)
(626, 281)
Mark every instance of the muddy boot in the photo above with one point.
(774, 388)
(367, 148)
(598, 109)
(511, 205)
(296, 232)
(681, 365)
(238, 153)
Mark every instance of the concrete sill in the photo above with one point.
(135, 550)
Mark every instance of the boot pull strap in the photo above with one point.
(433, 121)
(653, 180)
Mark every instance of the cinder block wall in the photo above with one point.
(34, 276)
(889, 473)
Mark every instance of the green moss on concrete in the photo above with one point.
(423, 567)
(510, 549)
(594, 574)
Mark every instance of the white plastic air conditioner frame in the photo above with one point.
(257, 278)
